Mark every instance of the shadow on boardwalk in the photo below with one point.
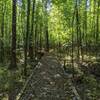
(47, 82)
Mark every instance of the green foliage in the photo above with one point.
(3, 79)
(64, 19)
(6, 79)
(60, 17)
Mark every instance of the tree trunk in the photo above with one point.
(27, 37)
(2, 41)
(47, 39)
(13, 50)
(77, 30)
(31, 54)
(13, 65)
(97, 29)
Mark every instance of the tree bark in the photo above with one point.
(27, 37)
(2, 37)
(31, 54)
(13, 50)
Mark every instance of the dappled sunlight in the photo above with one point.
(49, 50)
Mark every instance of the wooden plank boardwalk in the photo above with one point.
(48, 82)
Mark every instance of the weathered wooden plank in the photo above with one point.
(47, 82)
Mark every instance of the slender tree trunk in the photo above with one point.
(46, 25)
(13, 50)
(72, 39)
(85, 26)
(97, 28)
(77, 30)
(2, 37)
(35, 40)
(31, 54)
(27, 37)
(13, 54)
(40, 36)
(47, 39)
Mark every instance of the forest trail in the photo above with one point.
(48, 82)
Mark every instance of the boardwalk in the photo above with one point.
(47, 82)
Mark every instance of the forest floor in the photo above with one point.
(49, 81)
(86, 75)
